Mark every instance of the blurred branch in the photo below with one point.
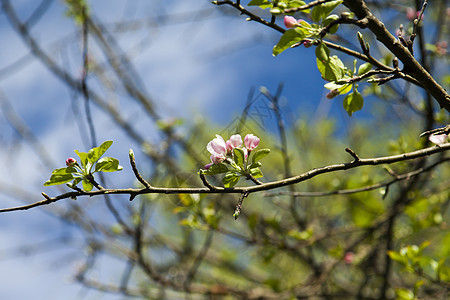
(376, 186)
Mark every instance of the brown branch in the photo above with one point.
(252, 189)
(414, 68)
(376, 186)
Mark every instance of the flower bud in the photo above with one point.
(70, 162)
(290, 22)
(251, 141)
(332, 94)
(349, 257)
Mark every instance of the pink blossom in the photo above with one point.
(412, 14)
(218, 149)
(251, 141)
(349, 257)
(236, 141)
(217, 159)
(438, 139)
(290, 22)
(71, 161)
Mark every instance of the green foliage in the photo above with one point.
(277, 6)
(82, 171)
(413, 260)
(321, 12)
(77, 9)
(353, 102)
(331, 67)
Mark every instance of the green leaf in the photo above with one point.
(216, 169)
(261, 3)
(316, 13)
(230, 180)
(353, 102)
(328, 7)
(330, 19)
(395, 256)
(403, 294)
(322, 52)
(239, 157)
(322, 11)
(259, 154)
(288, 39)
(95, 153)
(76, 181)
(59, 176)
(364, 68)
(256, 172)
(84, 161)
(108, 164)
(87, 185)
(331, 67)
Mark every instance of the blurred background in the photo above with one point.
(163, 78)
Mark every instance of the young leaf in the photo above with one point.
(331, 67)
(364, 68)
(330, 19)
(260, 154)
(83, 159)
(288, 39)
(87, 185)
(353, 102)
(230, 180)
(256, 172)
(95, 153)
(216, 169)
(261, 3)
(76, 181)
(108, 164)
(239, 157)
(322, 11)
(328, 7)
(59, 176)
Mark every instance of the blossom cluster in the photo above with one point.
(236, 158)
(221, 150)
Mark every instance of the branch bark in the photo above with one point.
(411, 65)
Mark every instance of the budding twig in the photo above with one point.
(205, 182)
(136, 171)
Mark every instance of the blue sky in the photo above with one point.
(192, 64)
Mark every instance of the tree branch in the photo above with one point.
(241, 190)
(412, 66)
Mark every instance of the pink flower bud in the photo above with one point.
(71, 161)
(307, 43)
(349, 257)
(332, 94)
(207, 166)
(251, 142)
(236, 141)
(438, 139)
(290, 22)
